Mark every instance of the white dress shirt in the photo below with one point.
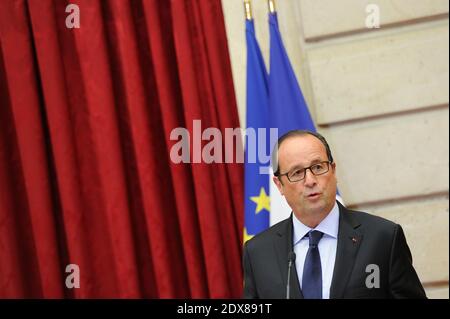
(327, 247)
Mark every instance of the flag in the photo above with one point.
(288, 109)
(257, 200)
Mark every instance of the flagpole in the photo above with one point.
(271, 4)
(248, 9)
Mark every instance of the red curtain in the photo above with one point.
(85, 171)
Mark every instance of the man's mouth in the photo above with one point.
(313, 195)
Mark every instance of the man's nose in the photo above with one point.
(310, 178)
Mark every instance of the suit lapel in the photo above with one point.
(349, 241)
(283, 245)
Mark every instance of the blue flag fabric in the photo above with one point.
(257, 203)
(288, 110)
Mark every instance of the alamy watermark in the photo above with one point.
(73, 279)
(73, 18)
(373, 279)
(223, 148)
(372, 20)
(373, 16)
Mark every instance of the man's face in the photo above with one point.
(313, 194)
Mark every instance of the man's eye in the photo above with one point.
(297, 172)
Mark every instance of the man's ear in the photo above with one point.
(279, 184)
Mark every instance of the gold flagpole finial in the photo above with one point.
(248, 9)
(271, 4)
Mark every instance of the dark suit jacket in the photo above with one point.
(363, 239)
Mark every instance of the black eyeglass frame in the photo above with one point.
(308, 168)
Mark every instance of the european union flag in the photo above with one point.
(257, 202)
(288, 109)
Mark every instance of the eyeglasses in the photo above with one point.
(298, 174)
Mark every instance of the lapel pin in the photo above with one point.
(354, 240)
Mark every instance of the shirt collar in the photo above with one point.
(329, 225)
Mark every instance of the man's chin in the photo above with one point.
(315, 208)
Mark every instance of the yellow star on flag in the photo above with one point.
(262, 201)
(246, 235)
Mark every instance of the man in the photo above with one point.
(326, 250)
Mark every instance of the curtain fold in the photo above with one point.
(85, 170)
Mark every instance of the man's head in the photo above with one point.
(311, 193)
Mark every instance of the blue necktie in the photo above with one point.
(312, 271)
